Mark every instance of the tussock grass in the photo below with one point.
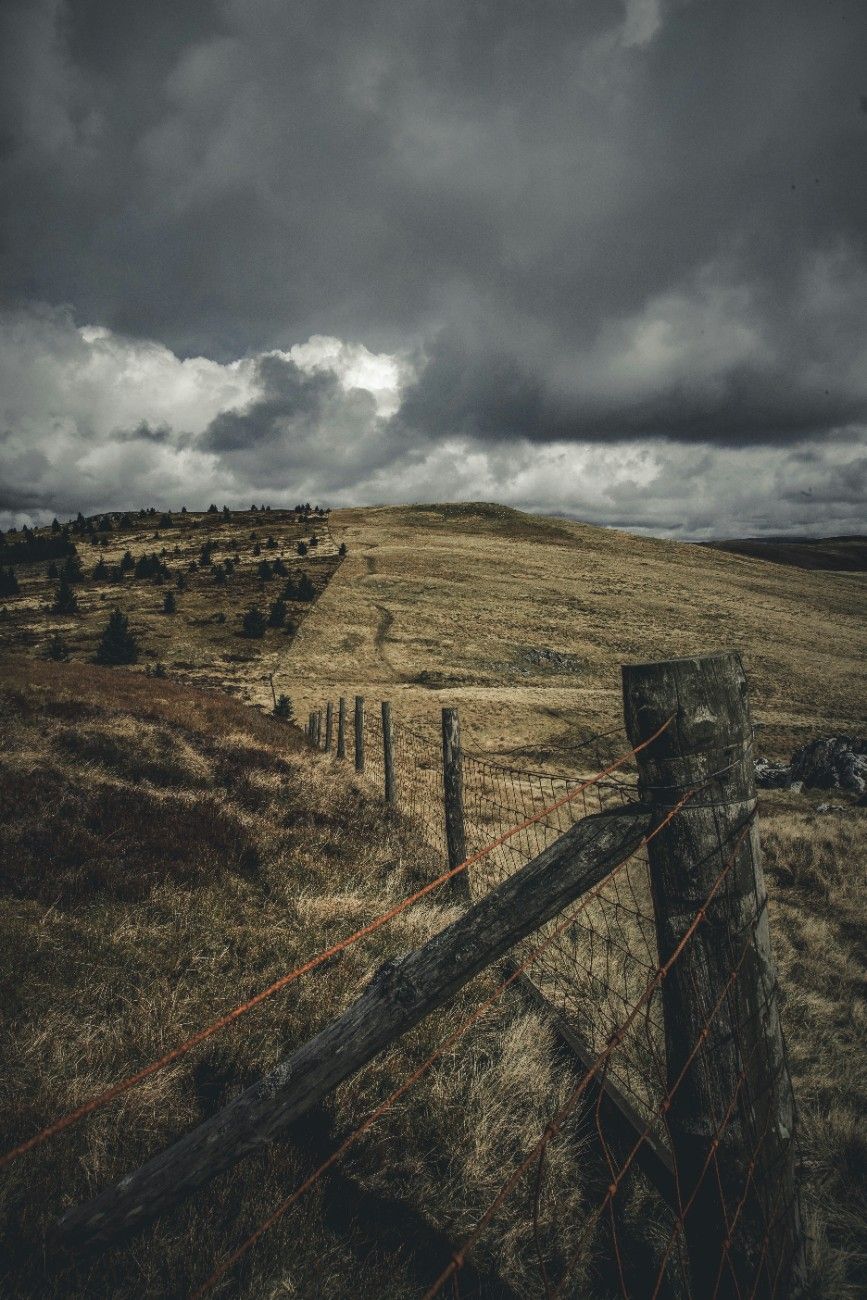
(156, 870)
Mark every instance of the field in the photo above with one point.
(453, 605)
(166, 850)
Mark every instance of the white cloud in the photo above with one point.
(93, 420)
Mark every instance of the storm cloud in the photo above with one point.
(552, 253)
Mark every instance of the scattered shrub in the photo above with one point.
(170, 604)
(118, 644)
(65, 599)
(283, 708)
(277, 613)
(253, 623)
(57, 649)
(8, 582)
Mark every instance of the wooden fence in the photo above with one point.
(650, 951)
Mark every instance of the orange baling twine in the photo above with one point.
(132, 1081)
(231, 1260)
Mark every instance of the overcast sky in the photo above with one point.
(606, 258)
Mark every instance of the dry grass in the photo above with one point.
(116, 945)
(201, 643)
(166, 852)
(439, 605)
(815, 866)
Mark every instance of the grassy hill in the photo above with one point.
(846, 554)
(166, 850)
(464, 605)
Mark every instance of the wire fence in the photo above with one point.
(600, 962)
(597, 968)
(689, 1036)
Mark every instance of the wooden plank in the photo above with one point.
(401, 994)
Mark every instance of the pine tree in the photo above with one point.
(277, 614)
(170, 605)
(51, 571)
(253, 623)
(118, 645)
(8, 582)
(127, 563)
(301, 548)
(65, 600)
(57, 649)
(341, 550)
(100, 571)
(264, 570)
(283, 709)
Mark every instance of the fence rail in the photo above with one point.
(632, 910)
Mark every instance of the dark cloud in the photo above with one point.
(620, 221)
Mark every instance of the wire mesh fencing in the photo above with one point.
(679, 1041)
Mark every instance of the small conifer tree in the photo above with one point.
(277, 613)
(170, 605)
(65, 600)
(117, 645)
(57, 649)
(341, 550)
(283, 709)
(253, 623)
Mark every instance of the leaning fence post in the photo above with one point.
(329, 726)
(453, 796)
(730, 1117)
(341, 728)
(388, 753)
(359, 733)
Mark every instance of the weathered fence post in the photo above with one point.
(317, 729)
(329, 726)
(341, 728)
(359, 733)
(388, 754)
(453, 795)
(310, 726)
(730, 1119)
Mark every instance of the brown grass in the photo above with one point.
(201, 643)
(131, 916)
(165, 852)
(440, 605)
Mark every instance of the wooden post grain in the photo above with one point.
(341, 728)
(329, 726)
(453, 797)
(731, 1117)
(388, 754)
(310, 726)
(359, 733)
(317, 728)
(401, 994)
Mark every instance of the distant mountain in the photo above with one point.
(843, 554)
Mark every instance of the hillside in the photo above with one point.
(164, 854)
(843, 554)
(166, 851)
(465, 604)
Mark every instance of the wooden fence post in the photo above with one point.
(453, 796)
(341, 728)
(388, 754)
(731, 1115)
(359, 733)
(310, 726)
(329, 726)
(318, 728)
